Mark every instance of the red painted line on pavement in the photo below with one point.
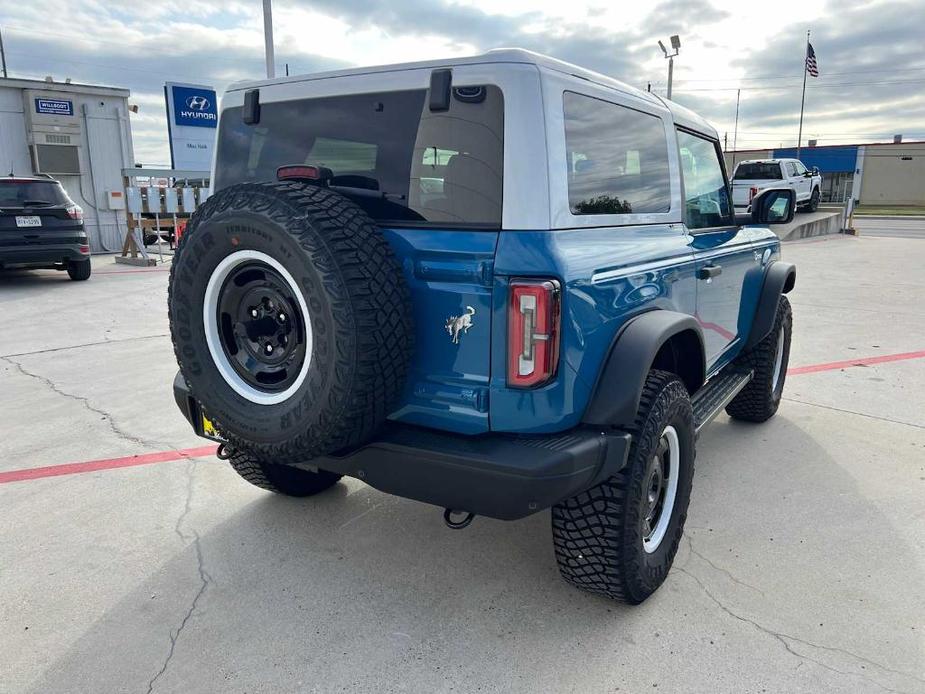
(107, 464)
(864, 361)
(186, 453)
(130, 272)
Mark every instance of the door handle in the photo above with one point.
(708, 272)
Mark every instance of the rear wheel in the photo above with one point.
(281, 479)
(619, 538)
(79, 270)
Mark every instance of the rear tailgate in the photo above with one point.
(39, 226)
(450, 274)
(742, 191)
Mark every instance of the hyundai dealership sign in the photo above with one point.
(192, 116)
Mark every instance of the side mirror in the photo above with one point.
(774, 206)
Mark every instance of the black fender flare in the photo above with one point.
(779, 279)
(615, 398)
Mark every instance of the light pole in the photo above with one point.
(268, 37)
(675, 45)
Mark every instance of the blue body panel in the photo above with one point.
(608, 275)
(447, 271)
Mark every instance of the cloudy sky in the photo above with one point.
(870, 54)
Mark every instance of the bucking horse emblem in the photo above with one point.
(459, 324)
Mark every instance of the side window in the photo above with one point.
(617, 158)
(800, 169)
(706, 197)
(792, 168)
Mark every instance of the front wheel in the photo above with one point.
(813, 201)
(619, 538)
(768, 360)
(281, 479)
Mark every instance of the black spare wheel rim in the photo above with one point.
(291, 320)
(261, 332)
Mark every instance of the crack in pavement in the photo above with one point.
(690, 546)
(110, 420)
(784, 639)
(859, 414)
(106, 341)
(204, 578)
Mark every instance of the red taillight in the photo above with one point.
(84, 249)
(752, 192)
(533, 332)
(310, 173)
(75, 212)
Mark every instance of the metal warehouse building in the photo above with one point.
(78, 133)
(885, 174)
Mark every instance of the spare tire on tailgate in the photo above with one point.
(290, 319)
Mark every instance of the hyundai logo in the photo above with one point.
(197, 103)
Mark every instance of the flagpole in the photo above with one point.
(803, 99)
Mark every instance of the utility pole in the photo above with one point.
(2, 55)
(670, 74)
(803, 99)
(675, 45)
(268, 37)
(735, 132)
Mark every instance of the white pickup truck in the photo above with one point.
(752, 176)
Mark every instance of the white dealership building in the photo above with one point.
(78, 133)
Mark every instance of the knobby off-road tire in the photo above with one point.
(600, 535)
(253, 248)
(759, 400)
(79, 270)
(281, 479)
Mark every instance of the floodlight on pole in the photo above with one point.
(675, 46)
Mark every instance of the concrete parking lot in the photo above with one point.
(802, 570)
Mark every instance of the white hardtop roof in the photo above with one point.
(681, 115)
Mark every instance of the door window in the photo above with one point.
(617, 158)
(706, 196)
(800, 169)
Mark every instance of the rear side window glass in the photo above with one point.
(387, 151)
(706, 196)
(19, 193)
(760, 171)
(617, 158)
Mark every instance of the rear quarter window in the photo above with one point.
(388, 152)
(617, 158)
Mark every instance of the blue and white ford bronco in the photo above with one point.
(496, 284)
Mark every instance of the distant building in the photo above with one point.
(886, 173)
(78, 133)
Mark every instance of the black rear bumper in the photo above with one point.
(501, 476)
(40, 255)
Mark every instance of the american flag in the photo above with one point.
(811, 66)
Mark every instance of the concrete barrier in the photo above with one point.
(808, 224)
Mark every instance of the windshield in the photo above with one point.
(768, 171)
(387, 151)
(19, 193)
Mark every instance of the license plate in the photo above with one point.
(209, 430)
(29, 221)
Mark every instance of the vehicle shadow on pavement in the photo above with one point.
(359, 591)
